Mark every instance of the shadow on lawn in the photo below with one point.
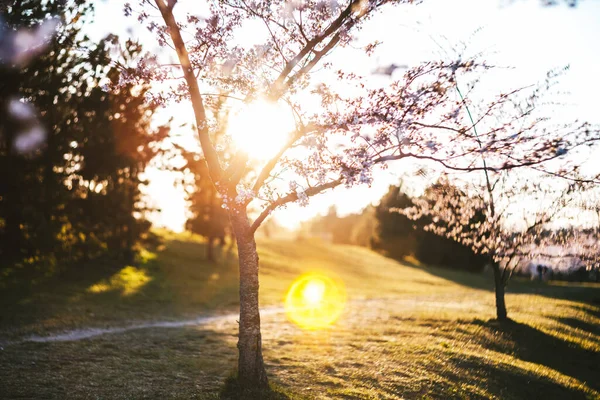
(155, 363)
(232, 391)
(28, 296)
(504, 381)
(474, 375)
(172, 281)
(532, 345)
(582, 325)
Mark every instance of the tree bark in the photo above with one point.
(251, 369)
(12, 240)
(210, 255)
(501, 314)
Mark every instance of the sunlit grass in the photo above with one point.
(128, 281)
(404, 332)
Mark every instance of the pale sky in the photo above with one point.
(523, 34)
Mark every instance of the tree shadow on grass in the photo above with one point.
(156, 363)
(582, 325)
(231, 391)
(470, 375)
(173, 281)
(590, 310)
(532, 345)
(480, 378)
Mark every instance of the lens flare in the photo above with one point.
(315, 301)
(313, 292)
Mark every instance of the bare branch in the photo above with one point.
(315, 60)
(289, 198)
(266, 171)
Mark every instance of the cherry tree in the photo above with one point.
(477, 205)
(504, 216)
(345, 127)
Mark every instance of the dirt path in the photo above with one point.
(86, 333)
(366, 306)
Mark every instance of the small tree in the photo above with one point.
(209, 219)
(483, 217)
(341, 142)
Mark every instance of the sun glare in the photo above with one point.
(261, 128)
(315, 301)
(313, 292)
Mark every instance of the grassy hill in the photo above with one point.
(406, 332)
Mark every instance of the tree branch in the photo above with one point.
(210, 154)
(444, 163)
(318, 56)
(266, 170)
(289, 198)
(310, 46)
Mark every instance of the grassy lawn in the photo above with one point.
(406, 332)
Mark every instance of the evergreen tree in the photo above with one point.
(74, 194)
(208, 217)
(400, 236)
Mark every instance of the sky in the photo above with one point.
(520, 34)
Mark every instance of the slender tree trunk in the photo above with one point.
(251, 369)
(10, 189)
(210, 254)
(501, 314)
(12, 243)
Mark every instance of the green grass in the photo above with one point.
(406, 332)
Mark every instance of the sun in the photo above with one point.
(315, 301)
(261, 128)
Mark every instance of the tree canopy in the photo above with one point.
(71, 176)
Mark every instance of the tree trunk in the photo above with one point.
(251, 369)
(12, 242)
(210, 255)
(501, 314)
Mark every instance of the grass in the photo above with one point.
(407, 331)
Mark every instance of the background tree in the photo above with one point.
(396, 233)
(84, 152)
(351, 133)
(357, 229)
(400, 236)
(483, 220)
(209, 219)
